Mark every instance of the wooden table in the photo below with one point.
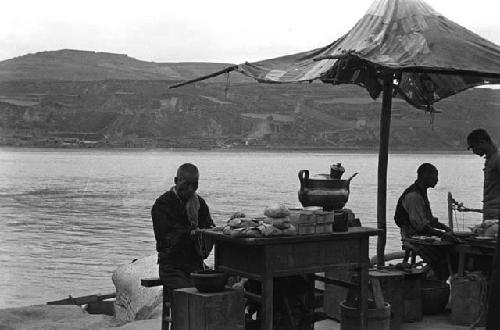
(263, 259)
(467, 247)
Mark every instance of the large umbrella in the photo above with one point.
(402, 48)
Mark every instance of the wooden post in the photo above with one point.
(450, 210)
(383, 156)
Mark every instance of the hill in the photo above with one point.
(111, 100)
(77, 65)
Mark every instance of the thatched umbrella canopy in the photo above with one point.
(402, 48)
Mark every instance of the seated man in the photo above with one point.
(176, 214)
(414, 217)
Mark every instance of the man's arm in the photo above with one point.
(159, 225)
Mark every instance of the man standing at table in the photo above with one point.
(414, 217)
(481, 144)
(176, 214)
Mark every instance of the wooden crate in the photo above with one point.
(194, 310)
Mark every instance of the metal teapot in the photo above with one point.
(326, 190)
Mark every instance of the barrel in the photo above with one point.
(378, 319)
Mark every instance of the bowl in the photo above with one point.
(209, 280)
(435, 296)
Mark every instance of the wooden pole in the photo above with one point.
(383, 156)
(226, 70)
(450, 210)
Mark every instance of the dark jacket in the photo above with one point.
(172, 229)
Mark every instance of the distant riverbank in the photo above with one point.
(274, 148)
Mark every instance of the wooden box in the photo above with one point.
(194, 310)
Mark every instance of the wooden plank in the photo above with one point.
(151, 282)
(386, 273)
(82, 300)
(344, 284)
(312, 255)
(353, 232)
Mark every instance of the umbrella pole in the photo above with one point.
(383, 156)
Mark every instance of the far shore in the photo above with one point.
(364, 150)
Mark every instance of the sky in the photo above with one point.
(225, 31)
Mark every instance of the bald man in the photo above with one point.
(176, 214)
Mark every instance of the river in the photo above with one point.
(69, 217)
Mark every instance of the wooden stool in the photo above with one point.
(192, 310)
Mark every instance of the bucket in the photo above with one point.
(378, 319)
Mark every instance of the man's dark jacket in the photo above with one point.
(174, 243)
(401, 216)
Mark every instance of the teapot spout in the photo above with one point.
(351, 177)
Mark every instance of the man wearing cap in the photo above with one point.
(481, 144)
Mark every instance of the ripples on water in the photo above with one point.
(68, 218)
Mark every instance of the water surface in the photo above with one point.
(68, 218)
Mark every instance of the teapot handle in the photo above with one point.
(303, 175)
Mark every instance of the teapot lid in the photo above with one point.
(337, 167)
(336, 170)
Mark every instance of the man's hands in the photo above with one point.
(450, 237)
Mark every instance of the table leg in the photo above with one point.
(449, 264)
(310, 299)
(266, 309)
(461, 263)
(363, 294)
